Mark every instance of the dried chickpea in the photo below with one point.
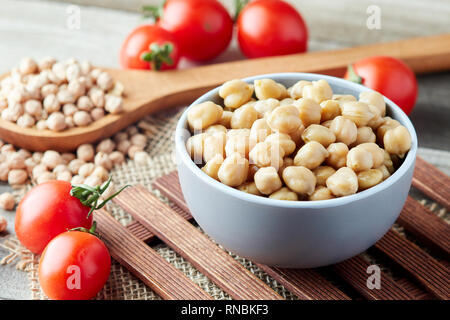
(60, 168)
(102, 159)
(283, 140)
(284, 194)
(265, 106)
(329, 109)
(97, 113)
(296, 91)
(212, 166)
(363, 135)
(56, 122)
(41, 125)
(321, 134)
(268, 88)
(397, 141)
(234, 170)
(51, 159)
(318, 91)
(284, 119)
(101, 173)
(321, 193)
(225, 120)
(344, 129)
(85, 103)
(120, 136)
(65, 96)
(214, 144)
(15, 161)
(33, 108)
(93, 181)
(267, 180)
(64, 176)
(3, 224)
(235, 93)
(265, 154)
(337, 157)
(369, 178)
(82, 118)
(7, 201)
(106, 146)
(51, 103)
(116, 157)
(357, 111)
(38, 170)
(28, 66)
(244, 117)
(249, 187)
(75, 165)
(359, 159)
(309, 111)
(374, 98)
(105, 81)
(113, 104)
(311, 155)
(77, 180)
(86, 169)
(133, 150)
(378, 154)
(4, 171)
(124, 145)
(17, 176)
(343, 182)
(322, 173)
(202, 115)
(86, 152)
(299, 179)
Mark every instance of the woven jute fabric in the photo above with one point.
(121, 283)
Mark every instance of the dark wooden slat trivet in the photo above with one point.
(194, 246)
(353, 271)
(426, 226)
(294, 280)
(433, 275)
(433, 182)
(306, 284)
(145, 263)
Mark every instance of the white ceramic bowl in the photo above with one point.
(301, 234)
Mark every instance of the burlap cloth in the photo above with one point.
(121, 283)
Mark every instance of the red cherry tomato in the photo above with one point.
(74, 266)
(271, 28)
(203, 28)
(46, 211)
(149, 47)
(390, 77)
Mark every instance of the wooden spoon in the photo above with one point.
(148, 91)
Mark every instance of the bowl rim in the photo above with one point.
(183, 156)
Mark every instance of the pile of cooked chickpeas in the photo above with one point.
(297, 143)
(58, 95)
(90, 164)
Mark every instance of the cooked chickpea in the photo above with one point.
(86, 152)
(299, 179)
(266, 106)
(311, 155)
(296, 136)
(235, 93)
(309, 111)
(216, 128)
(344, 129)
(287, 162)
(329, 109)
(283, 140)
(252, 169)
(384, 171)
(214, 144)
(284, 194)
(359, 159)
(363, 135)
(356, 111)
(322, 173)
(387, 162)
(376, 152)
(7, 201)
(284, 119)
(244, 117)
(374, 98)
(267, 180)
(377, 120)
(212, 166)
(387, 124)
(203, 115)
(296, 91)
(225, 120)
(321, 193)
(265, 154)
(259, 131)
(239, 144)
(337, 157)
(321, 134)
(234, 170)
(369, 178)
(267, 88)
(397, 141)
(318, 91)
(249, 187)
(343, 182)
